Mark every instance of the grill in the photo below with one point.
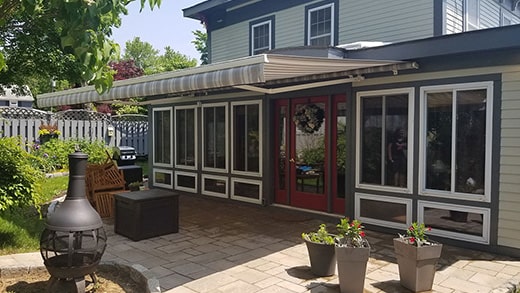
(125, 157)
(73, 240)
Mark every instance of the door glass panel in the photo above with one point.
(310, 147)
(282, 146)
(341, 148)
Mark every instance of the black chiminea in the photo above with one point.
(74, 240)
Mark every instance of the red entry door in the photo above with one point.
(308, 156)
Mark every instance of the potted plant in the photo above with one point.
(352, 253)
(416, 258)
(320, 245)
(134, 186)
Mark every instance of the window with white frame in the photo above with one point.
(185, 137)
(320, 25)
(162, 137)
(384, 139)
(163, 178)
(214, 134)
(261, 36)
(471, 12)
(456, 140)
(246, 190)
(246, 133)
(186, 181)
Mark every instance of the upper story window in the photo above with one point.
(321, 23)
(472, 14)
(261, 35)
(456, 140)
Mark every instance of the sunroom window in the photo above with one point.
(246, 137)
(456, 136)
(214, 128)
(185, 137)
(384, 139)
(162, 136)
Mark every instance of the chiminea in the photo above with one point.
(74, 240)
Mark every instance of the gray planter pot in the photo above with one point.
(322, 258)
(352, 267)
(416, 264)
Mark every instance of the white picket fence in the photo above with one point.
(124, 130)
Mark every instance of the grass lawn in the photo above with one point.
(20, 228)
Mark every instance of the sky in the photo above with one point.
(164, 26)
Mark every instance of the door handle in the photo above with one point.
(292, 160)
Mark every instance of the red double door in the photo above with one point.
(310, 153)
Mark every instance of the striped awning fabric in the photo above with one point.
(253, 70)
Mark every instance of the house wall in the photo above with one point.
(509, 217)
(505, 204)
(388, 21)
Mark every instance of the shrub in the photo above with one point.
(19, 180)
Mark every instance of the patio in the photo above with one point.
(225, 246)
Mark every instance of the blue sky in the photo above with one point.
(161, 27)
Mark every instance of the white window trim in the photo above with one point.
(410, 144)
(212, 193)
(225, 170)
(161, 109)
(242, 198)
(486, 197)
(455, 235)
(467, 25)
(260, 122)
(382, 223)
(332, 22)
(269, 23)
(184, 188)
(194, 107)
(155, 183)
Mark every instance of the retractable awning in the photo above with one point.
(263, 73)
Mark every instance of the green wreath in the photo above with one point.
(309, 118)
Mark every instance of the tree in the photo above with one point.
(201, 45)
(82, 29)
(143, 53)
(125, 69)
(173, 60)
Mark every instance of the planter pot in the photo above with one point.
(322, 258)
(416, 264)
(352, 267)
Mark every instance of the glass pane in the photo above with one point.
(470, 144)
(162, 137)
(180, 123)
(215, 185)
(247, 190)
(454, 221)
(215, 137)
(253, 138)
(239, 139)
(396, 125)
(341, 148)
(310, 147)
(163, 178)
(186, 181)
(383, 210)
(282, 146)
(190, 147)
(371, 139)
(438, 140)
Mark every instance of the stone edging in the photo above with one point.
(137, 272)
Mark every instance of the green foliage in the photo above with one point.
(351, 233)
(314, 155)
(201, 45)
(54, 154)
(143, 53)
(80, 29)
(20, 228)
(320, 236)
(19, 180)
(172, 60)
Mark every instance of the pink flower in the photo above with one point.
(412, 240)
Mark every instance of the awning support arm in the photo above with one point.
(292, 88)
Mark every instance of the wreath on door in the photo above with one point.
(309, 118)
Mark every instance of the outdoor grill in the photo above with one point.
(73, 240)
(125, 157)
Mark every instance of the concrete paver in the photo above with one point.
(227, 246)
